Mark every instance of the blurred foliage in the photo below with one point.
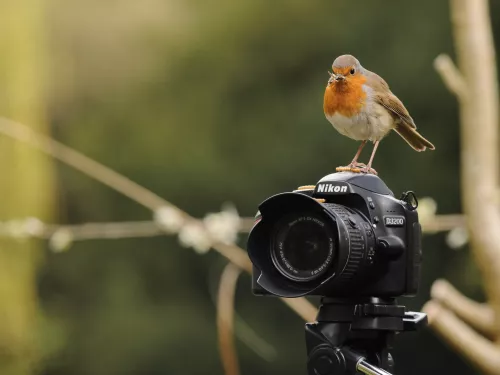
(209, 102)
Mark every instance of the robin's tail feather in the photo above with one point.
(414, 139)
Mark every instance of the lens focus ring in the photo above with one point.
(357, 242)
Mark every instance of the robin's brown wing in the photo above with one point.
(393, 104)
(405, 126)
(383, 96)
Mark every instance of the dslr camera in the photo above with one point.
(347, 236)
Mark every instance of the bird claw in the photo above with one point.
(368, 170)
(353, 167)
(357, 165)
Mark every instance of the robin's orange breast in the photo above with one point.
(345, 97)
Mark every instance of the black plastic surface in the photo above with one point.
(368, 182)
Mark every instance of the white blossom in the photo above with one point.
(169, 219)
(223, 226)
(34, 226)
(61, 240)
(194, 235)
(427, 208)
(457, 237)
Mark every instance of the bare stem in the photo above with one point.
(478, 315)
(451, 76)
(462, 338)
(82, 163)
(479, 120)
(225, 319)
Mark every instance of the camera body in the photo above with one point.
(348, 236)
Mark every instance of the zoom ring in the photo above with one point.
(357, 243)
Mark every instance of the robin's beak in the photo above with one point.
(339, 77)
(335, 77)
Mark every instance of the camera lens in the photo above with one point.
(303, 246)
(300, 246)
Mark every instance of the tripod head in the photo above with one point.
(352, 335)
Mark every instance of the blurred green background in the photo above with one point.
(203, 103)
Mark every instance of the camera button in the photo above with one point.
(376, 219)
(370, 202)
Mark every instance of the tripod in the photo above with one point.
(352, 335)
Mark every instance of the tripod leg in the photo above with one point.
(368, 369)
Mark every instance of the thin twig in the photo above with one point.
(242, 330)
(84, 164)
(127, 187)
(478, 315)
(478, 350)
(90, 231)
(443, 223)
(246, 224)
(225, 316)
(150, 228)
(451, 76)
(306, 310)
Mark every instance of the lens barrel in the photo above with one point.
(300, 245)
(360, 244)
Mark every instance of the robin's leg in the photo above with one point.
(368, 168)
(354, 163)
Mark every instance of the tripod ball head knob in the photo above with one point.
(325, 360)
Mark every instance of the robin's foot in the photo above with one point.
(353, 167)
(368, 170)
(357, 165)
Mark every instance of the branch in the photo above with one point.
(479, 351)
(83, 164)
(479, 120)
(443, 223)
(451, 76)
(478, 315)
(225, 314)
(306, 310)
(132, 190)
(80, 232)
(33, 227)
(242, 330)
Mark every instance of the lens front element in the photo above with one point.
(303, 246)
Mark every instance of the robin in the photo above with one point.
(360, 105)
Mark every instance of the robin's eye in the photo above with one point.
(353, 71)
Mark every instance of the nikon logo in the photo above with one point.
(331, 188)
